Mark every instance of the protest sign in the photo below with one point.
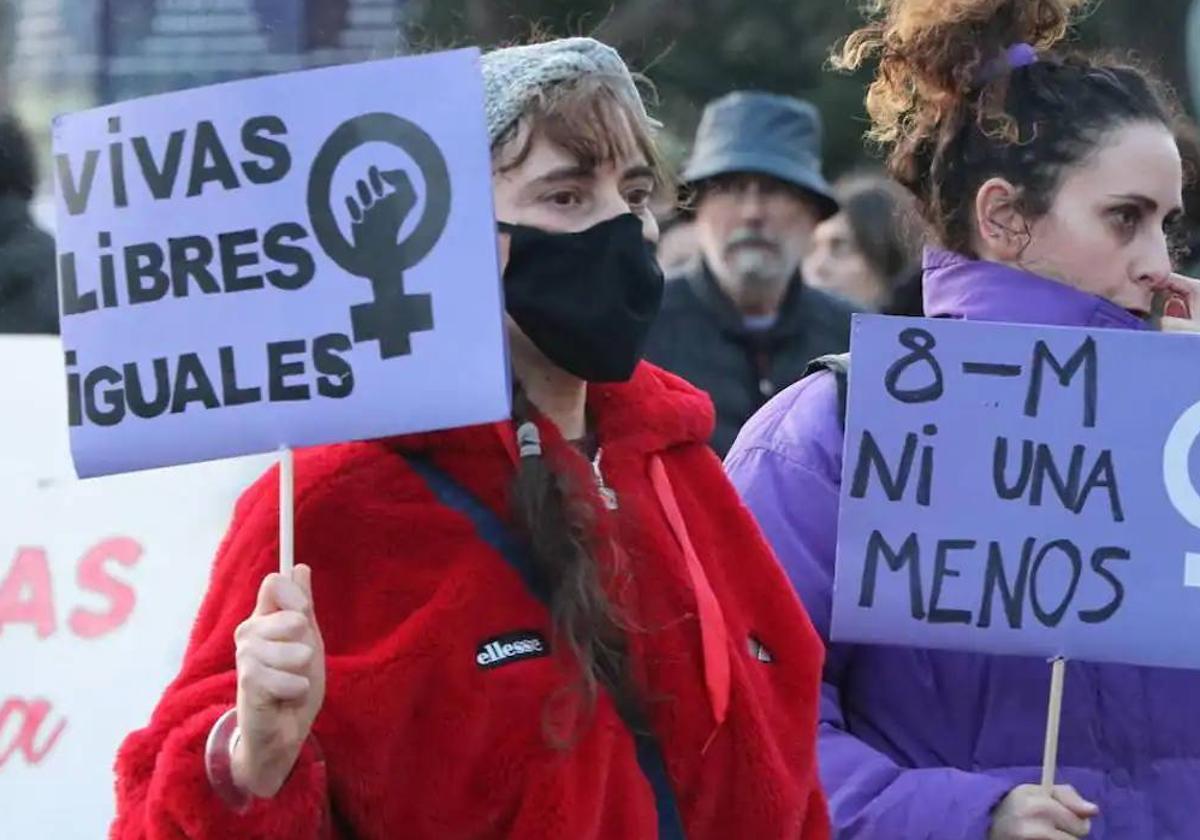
(99, 581)
(292, 260)
(1021, 490)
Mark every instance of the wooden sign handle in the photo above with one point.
(1050, 756)
(286, 512)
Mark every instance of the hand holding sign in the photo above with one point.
(281, 682)
(1030, 813)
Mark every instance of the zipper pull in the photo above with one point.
(606, 493)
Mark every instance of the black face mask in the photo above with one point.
(585, 299)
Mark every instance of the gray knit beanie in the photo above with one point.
(513, 76)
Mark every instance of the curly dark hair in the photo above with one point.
(952, 113)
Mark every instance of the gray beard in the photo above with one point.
(758, 272)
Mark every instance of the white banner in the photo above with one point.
(99, 583)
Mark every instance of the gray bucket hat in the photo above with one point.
(765, 134)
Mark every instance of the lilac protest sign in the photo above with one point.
(1021, 490)
(292, 260)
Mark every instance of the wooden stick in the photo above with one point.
(286, 517)
(1050, 756)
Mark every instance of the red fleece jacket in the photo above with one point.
(420, 739)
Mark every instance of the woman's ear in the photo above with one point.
(1001, 232)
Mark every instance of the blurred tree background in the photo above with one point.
(695, 50)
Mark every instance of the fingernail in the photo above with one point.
(1176, 308)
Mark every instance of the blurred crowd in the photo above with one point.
(28, 281)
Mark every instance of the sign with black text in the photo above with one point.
(1021, 490)
(291, 260)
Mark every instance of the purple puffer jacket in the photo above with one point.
(921, 744)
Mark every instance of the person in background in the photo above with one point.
(907, 295)
(1050, 183)
(28, 279)
(1187, 237)
(677, 246)
(562, 625)
(870, 246)
(739, 322)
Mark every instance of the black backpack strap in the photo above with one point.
(496, 534)
(839, 365)
(487, 524)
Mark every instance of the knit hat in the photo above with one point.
(513, 76)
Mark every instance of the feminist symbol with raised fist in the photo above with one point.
(378, 209)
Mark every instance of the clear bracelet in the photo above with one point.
(218, 762)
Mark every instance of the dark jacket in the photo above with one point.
(28, 282)
(700, 335)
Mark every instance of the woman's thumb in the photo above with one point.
(1070, 797)
(302, 575)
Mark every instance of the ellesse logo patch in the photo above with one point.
(511, 647)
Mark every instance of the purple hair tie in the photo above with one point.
(1018, 55)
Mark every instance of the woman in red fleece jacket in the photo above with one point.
(564, 626)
